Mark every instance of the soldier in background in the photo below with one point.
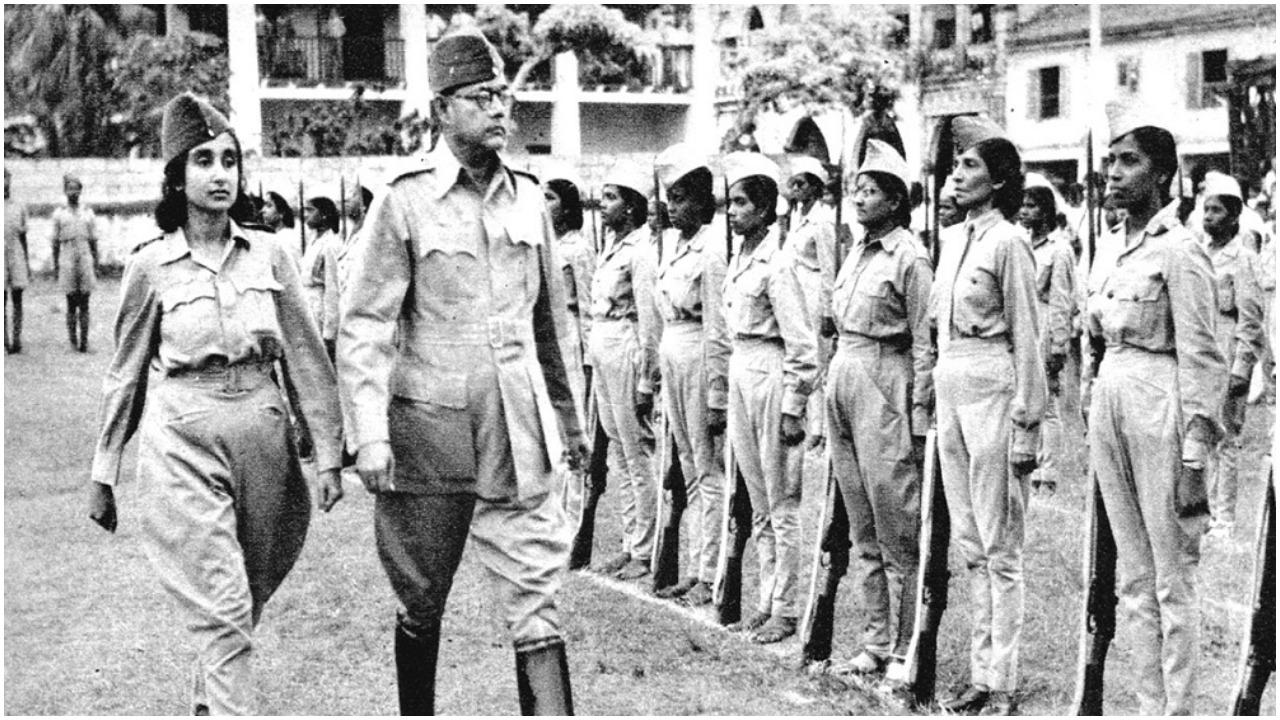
(75, 260)
(1238, 323)
(17, 269)
(465, 425)
(694, 355)
(1055, 299)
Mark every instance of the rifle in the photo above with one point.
(598, 468)
(817, 625)
(735, 523)
(932, 575)
(597, 482)
(342, 205)
(1258, 660)
(302, 222)
(1099, 604)
(931, 579)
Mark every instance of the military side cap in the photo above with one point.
(1124, 118)
(881, 157)
(462, 59)
(799, 164)
(677, 161)
(1216, 183)
(741, 165)
(1035, 179)
(628, 174)
(969, 130)
(189, 121)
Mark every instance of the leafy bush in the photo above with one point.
(150, 70)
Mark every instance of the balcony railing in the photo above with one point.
(320, 60)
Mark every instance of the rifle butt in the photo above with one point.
(580, 555)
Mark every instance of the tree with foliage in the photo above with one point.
(56, 67)
(150, 70)
(835, 56)
(353, 127)
(607, 44)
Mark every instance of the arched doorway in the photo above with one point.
(807, 139)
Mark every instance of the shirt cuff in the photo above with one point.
(106, 468)
(1025, 441)
(794, 403)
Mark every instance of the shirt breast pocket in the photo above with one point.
(978, 301)
(190, 316)
(1227, 294)
(1140, 303)
(448, 264)
(255, 309)
(755, 309)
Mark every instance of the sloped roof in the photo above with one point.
(1070, 23)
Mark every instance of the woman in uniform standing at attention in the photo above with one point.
(214, 308)
(990, 401)
(1153, 415)
(880, 401)
(694, 356)
(772, 369)
(320, 267)
(577, 260)
(622, 319)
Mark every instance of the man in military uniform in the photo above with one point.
(463, 425)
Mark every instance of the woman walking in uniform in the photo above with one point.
(17, 269)
(880, 401)
(693, 356)
(214, 308)
(622, 316)
(772, 370)
(75, 260)
(1153, 414)
(990, 401)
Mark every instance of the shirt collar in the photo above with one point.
(889, 242)
(762, 254)
(977, 227)
(1163, 221)
(176, 246)
(449, 170)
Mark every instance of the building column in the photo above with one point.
(566, 120)
(915, 29)
(700, 121)
(413, 30)
(176, 20)
(964, 30)
(242, 61)
(928, 26)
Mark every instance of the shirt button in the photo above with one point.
(974, 330)
(1111, 294)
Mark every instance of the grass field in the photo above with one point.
(88, 630)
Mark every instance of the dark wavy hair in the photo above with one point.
(893, 186)
(171, 211)
(698, 184)
(282, 206)
(570, 202)
(328, 212)
(637, 205)
(1042, 197)
(763, 194)
(1004, 165)
(1160, 147)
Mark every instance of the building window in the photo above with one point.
(980, 30)
(1046, 93)
(1204, 69)
(944, 32)
(1127, 74)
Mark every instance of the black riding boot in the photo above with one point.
(542, 676)
(417, 647)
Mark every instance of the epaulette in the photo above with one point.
(144, 243)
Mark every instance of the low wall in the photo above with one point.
(123, 192)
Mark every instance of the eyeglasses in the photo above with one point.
(484, 97)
